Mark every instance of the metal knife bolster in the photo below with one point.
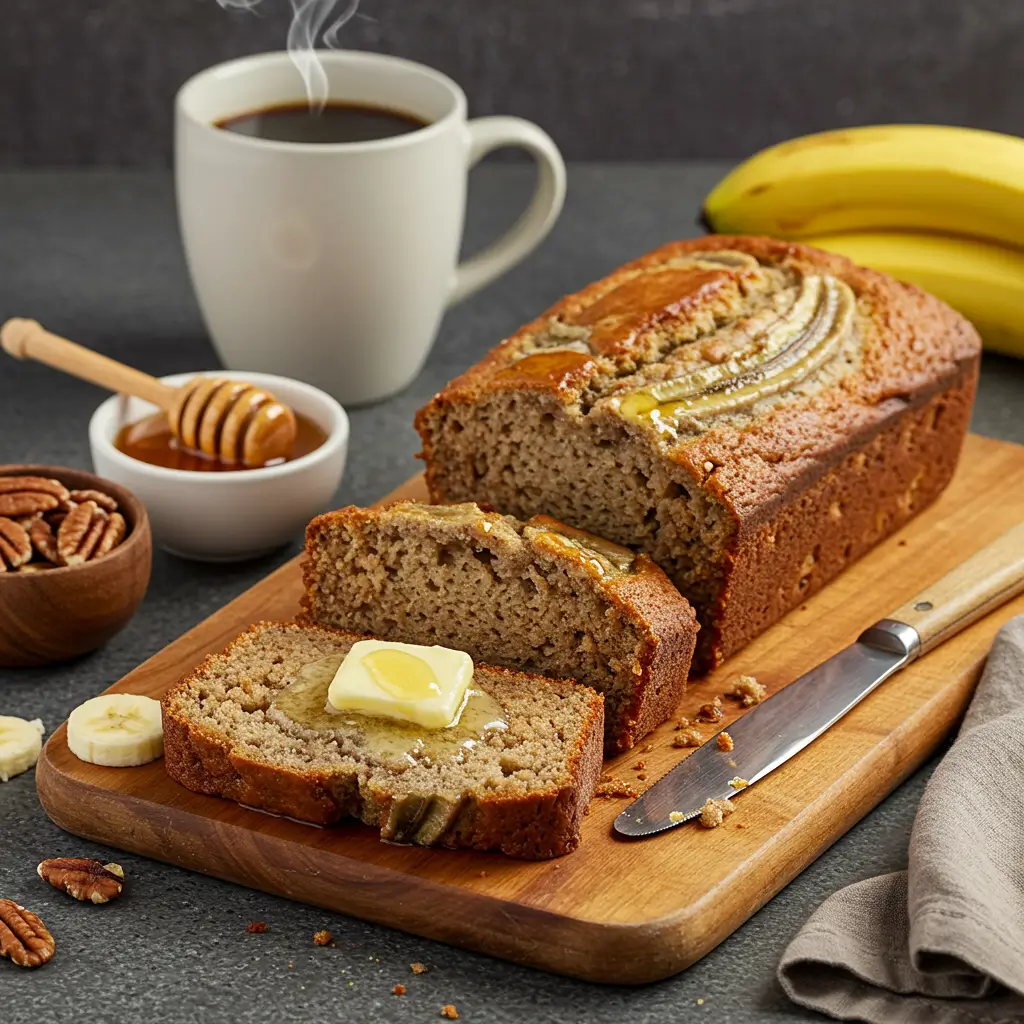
(775, 730)
(893, 636)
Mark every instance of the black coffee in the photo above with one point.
(337, 122)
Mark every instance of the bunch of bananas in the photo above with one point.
(940, 207)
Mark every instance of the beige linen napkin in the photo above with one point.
(943, 942)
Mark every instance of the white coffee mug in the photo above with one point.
(333, 263)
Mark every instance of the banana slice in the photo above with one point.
(20, 744)
(118, 730)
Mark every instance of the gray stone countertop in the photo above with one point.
(96, 256)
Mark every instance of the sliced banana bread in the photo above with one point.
(537, 596)
(249, 725)
(753, 414)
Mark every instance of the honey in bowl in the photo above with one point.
(151, 441)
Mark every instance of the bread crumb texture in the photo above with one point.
(612, 787)
(714, 812)
(687, 737)
(748, 691)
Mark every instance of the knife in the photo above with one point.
(772, 732)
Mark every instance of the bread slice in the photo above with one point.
(537, 596)
(522, 791)
(753, 414)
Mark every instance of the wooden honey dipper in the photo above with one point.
(223, 419)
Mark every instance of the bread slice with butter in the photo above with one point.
(514, 775)
(537, 596)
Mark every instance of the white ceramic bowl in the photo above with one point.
(227, 517)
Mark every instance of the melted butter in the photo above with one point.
(304, 702)
(464, 512)
(402, 675)
(795, 346)
(601, 557)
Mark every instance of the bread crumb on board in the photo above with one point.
(724, 742)
(676, 816)
(690, 737)
(324, 938)
(611, 786)
(737, 783)
(257, 927)
(398, 990)
(714, 812)
(418, 968)
(710, 713)
(449, 1012)
(748, 691)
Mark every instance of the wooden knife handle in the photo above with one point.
(986, 580)
(26, 339)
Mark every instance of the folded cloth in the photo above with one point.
(943, 942)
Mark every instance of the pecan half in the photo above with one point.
(15, 547)
(85, 879)
(26, 495)
(44, 540)
(105, 501)
(23, 937)
(113, 534)
(80, 533)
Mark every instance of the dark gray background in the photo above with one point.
(91, 81)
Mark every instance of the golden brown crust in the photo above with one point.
(779, 561)
(644, 596)
(539, 826)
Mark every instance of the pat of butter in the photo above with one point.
(424, 685)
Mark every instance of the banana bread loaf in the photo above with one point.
(536, 596)
(754, 414)
(248, 724)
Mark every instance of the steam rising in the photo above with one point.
(311, 20)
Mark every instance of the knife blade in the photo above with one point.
(770, 733)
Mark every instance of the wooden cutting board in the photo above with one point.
(614, 911)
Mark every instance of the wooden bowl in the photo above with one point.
(64, 612)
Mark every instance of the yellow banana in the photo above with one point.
(984, 282)
(947, 180)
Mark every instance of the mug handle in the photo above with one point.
(489, 133)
